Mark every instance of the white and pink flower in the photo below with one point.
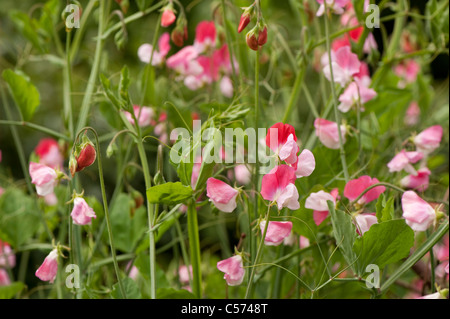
(233, 268)
(318, 202)
(82, 213)
(43, 177)
(403, 161)
(418, 214)
(146, 50)
(221, 194)
(328, 133)
(276, 232)
(364, 222)
(49, 153)
(345, 65)
(420, 181)
(49, 268)
(278, 186)
(429, 139)
(144, 115)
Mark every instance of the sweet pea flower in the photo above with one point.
(403, 161)
(4, 278)
(233, 268)
(303, 242)
(205, 36)
(82, 213)
(49, 153)
(412, 114)
(278, 186)
(144, 115)
(49, 268)
(419, 182)
(318, 203)
(145, 51)
(168, 17)
(226, 87)
(328, 133)
(442, 253)
(429, 139)
(306, 164)
(7, 256)
(242, 174)
(221, 194)
(364, 222)
(185, 62)
(281, 139)
(345, 64)
(184, 273)
(43, 177)
(354, 93)
(276, 232)
(418, 214)
(407, 71)
(355, 187)
(337, 6)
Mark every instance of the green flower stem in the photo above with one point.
(399, 25)
(432, 267)
(256, 172)
(194, 247)
(295, 92)
(228, 40)
(333, 91)
(80, 32)
(150, 219)
(67, 84)
(37, 128)
(105, 207)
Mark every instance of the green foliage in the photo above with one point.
(130, 287)
(8, 292)
(169, 193)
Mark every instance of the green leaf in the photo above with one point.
(170, 293)
(130, 287)
(142, 263)
(358, 5)
(143, 4)
(344, 232)
(106, 84)
(169, 193)
(384, 210)
(28, 27)
(383, 244)
(49, 17)
(124, 83)
(24, 93)
(8, 292)
(19, 219)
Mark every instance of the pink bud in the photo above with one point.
(167, 18)
(328, 133)
(419, 215)
(245, 20)
(221, 194)
(252, 41)
(43, 177)
(233, 268)
(82, 213)
(49, 268)
(86, 157)
(276, 232)
(262, 37)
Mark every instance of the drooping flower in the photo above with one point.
(355, 93)
(144, 115)
(418, 214)
(145, 51)
(233, 268)
(318, 202)
(278, 186)
(281, 139)
(364, 222)
(49, 153)
(49, 268)
(7, 256)
(86, 157)
(276, 232)
(168, 17)
(43, 177)
(345, 65)
(403, 161)
(420, 181)
(221, 194)
(429, 139)
(356, 187)
(328, 133)
(82, 213)
(184, 273)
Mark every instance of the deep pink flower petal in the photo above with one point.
(49, 268)
(221, 194)
(276, 232)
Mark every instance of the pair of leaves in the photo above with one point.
(120, 98)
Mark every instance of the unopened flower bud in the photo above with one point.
(87, 156)
(245, 20)
(252, 41)
(262, 37)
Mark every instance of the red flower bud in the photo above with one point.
(262, 37)
(245, 20)
(87, 157)
(167, 18)
(177, 36)
(252, 42)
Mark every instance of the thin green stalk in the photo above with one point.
(333, 91)
(373, 186)
(230, 47)
(37, 128)
(398, 30)
(194, 246)
(67, 85)
(79, 32)
(295, 92)
(432, 267)
(256, 172)
(183, 248)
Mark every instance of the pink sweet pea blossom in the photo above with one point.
(7, 256)
(233, 268)
(276, 232)
(4, 278)
(318, 203)
(278, 186)
(412, 114)
(49, 153)
(282, 140)
(145, 50)
(242, 174)
(403, 161)
(168, 17)
(407, 71)
(442, 252)
(303, 242)
(82, 213)
(429, 139)
(419, 182)
(306, 164)
(419, 215)
(221, 194)
(185, 62)
(144, 115)
(49, 268)
(337, 6)
(354, 93)
(328, 133)
(205, 36)
(184, 273)
(345, 64)
(364, 222)
(226, 87)
(356, 186)
(43, 177)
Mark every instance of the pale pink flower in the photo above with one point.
(4, 278)
(205, 36)
(134, 273)
(419, 182)
(429, 139)
(145, 50)
(233, 268)
(168, 17)
(144, 115)
(364, 222)
(184, 273)
(318, 203)
(328, 133)
(221, 194)
(82, 213)
(442, 253)
(49, 153)
(51, 199)
(403, 161)
(353, 94)
(49, 268)
(345, 65)
(185, 62)
(407, 71)
(226, 87)
(337, 6)
(278, 186)
(242, 174)
(7, 256)
(306, 164)
(418, 214)
(370, 44)
(276, 232)
(43, 177)
(290, 239)
(412, 114)
(303, 242)
(355, 187)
